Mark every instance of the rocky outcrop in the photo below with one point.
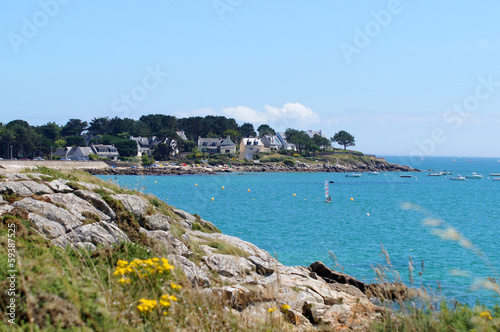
(260, 167)
(133, 203)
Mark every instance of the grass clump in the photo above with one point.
(90, 217)
(227, 249)
(441, 318)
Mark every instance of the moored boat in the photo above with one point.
(405, 176)
(494, 174)
(353, 175)
(458, 178)
(372, 173)
(474, 176)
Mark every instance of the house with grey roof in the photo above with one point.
(146, 145)
(79, 153)
(74, 152)
(105, 151)
(286, 146)
(216, 145)
(271, 142)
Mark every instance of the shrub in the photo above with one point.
(289, 162)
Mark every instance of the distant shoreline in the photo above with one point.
(103, 168)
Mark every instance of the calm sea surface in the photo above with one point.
(261, 208)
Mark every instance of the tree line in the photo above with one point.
(19, 139)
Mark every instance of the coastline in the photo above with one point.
(259, 168)
(112, 168)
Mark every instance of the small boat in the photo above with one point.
(474, 176)
(353, 175)
(435, 174)
(495, 179)
(446, 173)
(405, 176)
(494, 174)
(458, 178)
(372, 173)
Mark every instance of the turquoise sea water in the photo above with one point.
(303, 228)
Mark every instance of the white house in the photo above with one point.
(311, 133)
(250, 146)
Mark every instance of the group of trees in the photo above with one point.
(29, 141)
(306, 144)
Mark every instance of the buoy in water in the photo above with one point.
(368, 214)
(352, 199)
(155, 181)
(223, 187)
(248, 189)
(212, 198)
(294, 194)
(196, 184)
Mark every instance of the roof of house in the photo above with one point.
(252, 141)
(181, 135)
(272, 139)
(227, 142)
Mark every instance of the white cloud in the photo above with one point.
(245, 114)
(291, 115)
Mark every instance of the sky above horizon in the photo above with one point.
(404, 77)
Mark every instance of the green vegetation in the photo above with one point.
(441, 318)
(344, 138)
(226, 248)
(147, 161)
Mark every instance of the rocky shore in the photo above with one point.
(265, 167)
(94, 214)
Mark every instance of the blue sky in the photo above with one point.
(404, 77)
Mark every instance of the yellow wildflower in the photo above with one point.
(486, 315)
(121, 263)
(174, 286)
(146, 305)
(124, 281)
(164, 303)
(271, 310)
(285, 307)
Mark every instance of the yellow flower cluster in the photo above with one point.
(175, 287)
(271, 310)
(146, 305)
(285, 307)
(485, 314)
(142, 268)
